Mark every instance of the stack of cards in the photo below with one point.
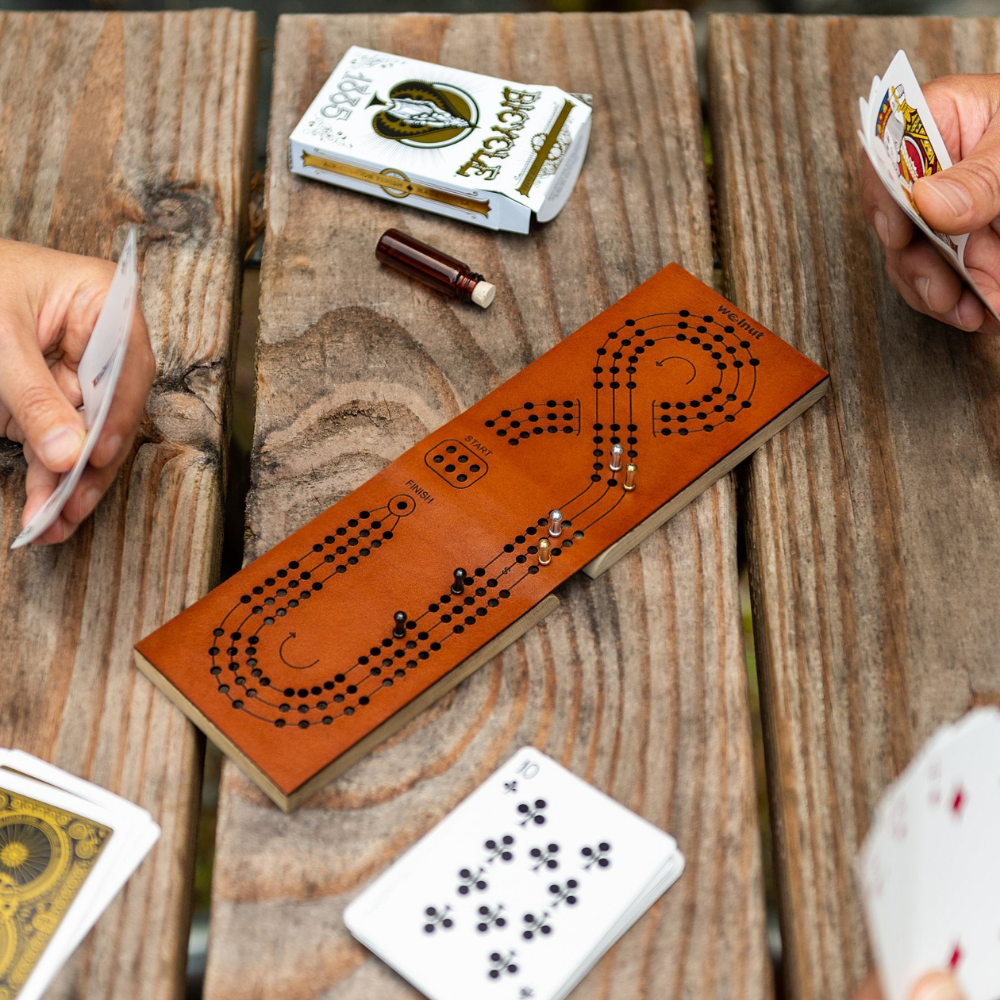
(99, 371)
(519, 891)
(903, 143)
(930, 866)
(66, 849)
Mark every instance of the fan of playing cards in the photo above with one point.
(903, 143)
(66, 849)
(930, 866)
(519, 891)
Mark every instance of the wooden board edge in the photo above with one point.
(391, 726)
(603, 562)
(425, 699)
(226, 745)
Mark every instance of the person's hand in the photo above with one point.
(963, 199)
(933, 986)
(49, 303)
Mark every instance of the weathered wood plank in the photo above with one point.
(108, 120)
(638, 681)
(872, 522)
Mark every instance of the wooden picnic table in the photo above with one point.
(109, 120)
(870, 522)
(637, 682)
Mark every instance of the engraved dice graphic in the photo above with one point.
(457, 464)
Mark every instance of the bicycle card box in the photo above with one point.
(471, 147)
(297, 667)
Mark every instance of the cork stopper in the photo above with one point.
(483, 293)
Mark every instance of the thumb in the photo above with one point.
(937, 986)
(966, 196)
(51, 426)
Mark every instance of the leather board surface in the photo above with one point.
(294, 659)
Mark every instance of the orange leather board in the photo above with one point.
(294, 659)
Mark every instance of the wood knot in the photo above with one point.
(178, 213)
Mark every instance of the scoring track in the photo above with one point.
(707, 389)
(336, 637)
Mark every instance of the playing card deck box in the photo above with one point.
(471, 147)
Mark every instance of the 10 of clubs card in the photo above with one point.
(903, 142)
(519, 891)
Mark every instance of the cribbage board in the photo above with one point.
(298, 665)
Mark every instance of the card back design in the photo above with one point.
(338, 635)
(46, 854)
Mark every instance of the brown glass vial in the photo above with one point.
(435, 269)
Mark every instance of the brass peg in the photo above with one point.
(630, 471)
(544, 552)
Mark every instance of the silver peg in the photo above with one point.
(555, 523)
(616, 458)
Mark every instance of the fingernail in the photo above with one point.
(951, 193)
(937, 987)
(970, 314)
(882, 227)
(924, 289)
(90, 500)
(60, 445)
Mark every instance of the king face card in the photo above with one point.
(904, 145)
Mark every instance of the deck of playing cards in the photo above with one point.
(903, 143)
(99, 371)
(519, 891)
(930, 869)
(471, 147)
(66, 849)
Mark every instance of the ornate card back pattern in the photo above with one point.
(332, 640)
(46, 854)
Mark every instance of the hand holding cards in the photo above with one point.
(519, 891)
(66, 849)
(930, 869)
(99, 370)
(904, 145)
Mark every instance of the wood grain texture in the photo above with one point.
(637, 682)
(872, 522)
(109, 120)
